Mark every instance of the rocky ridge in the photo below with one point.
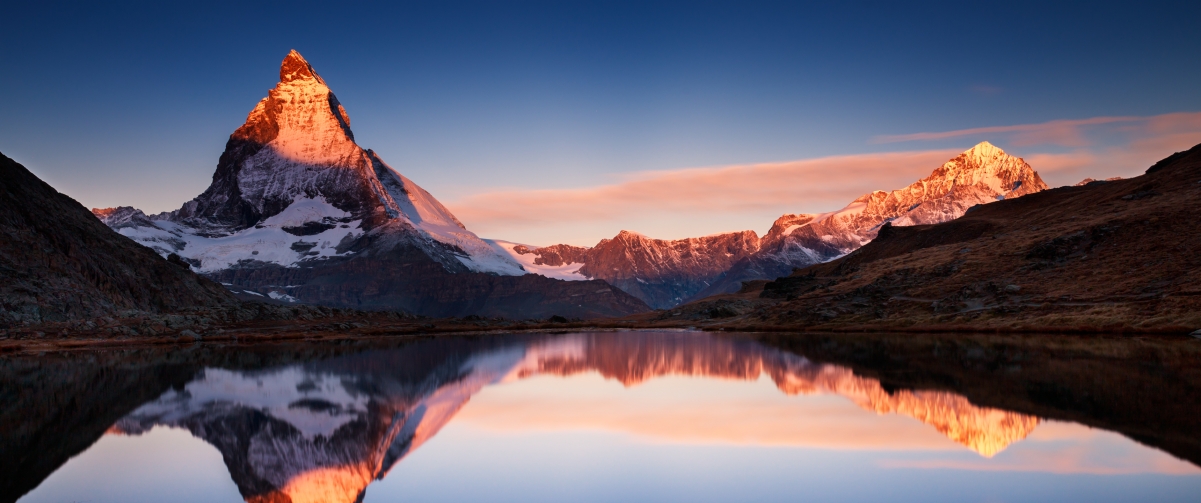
(660, 272)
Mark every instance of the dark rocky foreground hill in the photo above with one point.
(59, 262)
(1106, 256)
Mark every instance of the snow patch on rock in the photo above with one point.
(569, 272)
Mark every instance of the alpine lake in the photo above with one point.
(608, 416)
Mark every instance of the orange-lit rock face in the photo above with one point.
(323, 431)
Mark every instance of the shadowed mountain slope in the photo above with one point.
(58, 262)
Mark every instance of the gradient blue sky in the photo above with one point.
(511, 103)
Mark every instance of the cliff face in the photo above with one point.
(58, 262)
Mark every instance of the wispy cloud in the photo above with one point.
(1070, 132)
(1066, 133)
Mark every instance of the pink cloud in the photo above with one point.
(674, 204)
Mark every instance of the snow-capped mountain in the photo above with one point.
(293, 186)
(295, 202)
(323, 431)
(666, 273)
(980, 175)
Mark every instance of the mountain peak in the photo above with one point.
(984, 150)
(295, 67)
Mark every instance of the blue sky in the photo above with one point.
(131, 104)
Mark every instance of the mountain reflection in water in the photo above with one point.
(322, 430)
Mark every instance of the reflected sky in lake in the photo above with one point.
(637, 416)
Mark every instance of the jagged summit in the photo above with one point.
(295, 67)
(984, 150)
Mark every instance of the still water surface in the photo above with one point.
(627, 416)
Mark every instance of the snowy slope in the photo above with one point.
(282, 239)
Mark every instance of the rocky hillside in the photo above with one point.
(299, 212)
(58, 262)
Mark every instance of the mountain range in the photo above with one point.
(299, 212)
(667, 273)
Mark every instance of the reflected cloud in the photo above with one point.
(1066, 133)
(1065, 448)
